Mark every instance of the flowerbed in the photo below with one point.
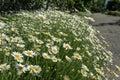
(51, 45)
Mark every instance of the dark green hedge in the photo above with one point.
(98, 6)
(114, 5)
(20, 4)
(17, 5)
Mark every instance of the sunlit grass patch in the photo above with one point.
(51, 45)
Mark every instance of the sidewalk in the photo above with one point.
(109, 27)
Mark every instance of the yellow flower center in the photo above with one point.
(17, 57)
(78, 56)
(36, 48)
(54, 59)
(29, 53)
(41, 17)
(36, 69)
(0, 41)
(67, 46)
(20, 68)
(46, 56)
(66, 78)
(1, 24)
(3, 36)
(31, 68)
(54, 50)
(4, 67)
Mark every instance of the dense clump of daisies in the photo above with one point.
(51, 45)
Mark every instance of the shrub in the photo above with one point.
(51, 45)
(113, 5)
(98, 6)
(38, 4)
(114, 13)
(11, 5)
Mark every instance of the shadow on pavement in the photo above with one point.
(110, 23)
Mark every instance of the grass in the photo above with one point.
(51, 45)
(114, 13)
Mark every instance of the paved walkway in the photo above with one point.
(109, 26)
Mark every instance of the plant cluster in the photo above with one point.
(51, 45)
(113, 5)
(114, 13)
(98, 6)
(7, 5)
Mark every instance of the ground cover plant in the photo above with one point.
(52, 45)
(114, 13)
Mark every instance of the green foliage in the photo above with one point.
(101, 6)
(114, 13)
(114, 5)
(38, 4)
(76, 4)
(20, 4)
(98, 6)
(51, 45)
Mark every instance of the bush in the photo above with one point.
(98, 6)
(114, 13)
(51, 45)
(38, 4)
(113, 5)
(16, 5)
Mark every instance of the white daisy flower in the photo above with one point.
(100, 71)
(0, 41)
(92, 75)
(4, 67)
(54, 59)
(115, 74)
(41, 16)
(68, 58)
(77, 56)
(3, 36)
(36, 48)
(66, 77)
(2, 25)
(21, 68)
(20, 45)
(14, 29)
(117, 67)
(17, 56)
(45, 56)
(39, 41)
(30, 68)
(57, 39)
(54, 50)
(48, 45)
(84, 67)
(84, 73)
(34, 69)
(29, 53)
(67, 46)
(63, 34)
(37, 69)
(90, 19)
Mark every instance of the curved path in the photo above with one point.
(109, 27)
